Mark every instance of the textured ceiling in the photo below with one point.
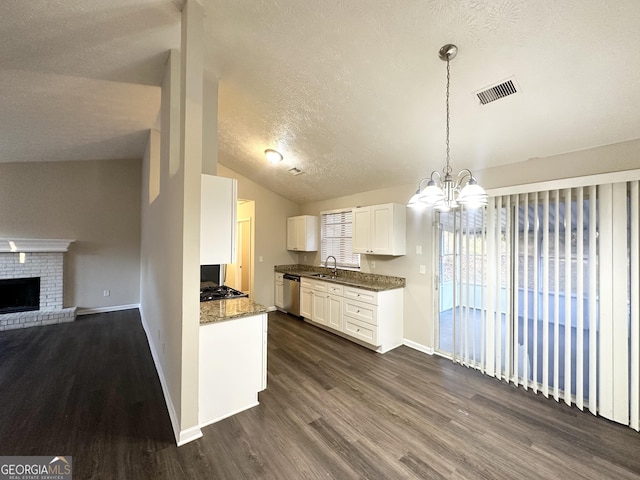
(350, 92)
(79, 80)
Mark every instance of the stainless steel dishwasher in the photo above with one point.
(292, 294)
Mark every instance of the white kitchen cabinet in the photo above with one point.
(334, 306)
(380, 229)
(314, 300)
(373, 318)
(334, 312)
(320, 307)
(218, 220)
(302, 233)
(242, 344)
(306, 301)
(279, 290)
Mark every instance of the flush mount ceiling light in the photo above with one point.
(448, 192)
(273, 156)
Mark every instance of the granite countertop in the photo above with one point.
(223, 310)
(366, 281)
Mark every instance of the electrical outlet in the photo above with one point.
(106, 293)
(373, 264)
(418, 249)
(423, 269)
(260, 259)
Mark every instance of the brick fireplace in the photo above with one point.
(43, 259)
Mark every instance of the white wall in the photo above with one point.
(94, 202)
(161, 283)
(609, 158)
(270, 237)
(170, 247)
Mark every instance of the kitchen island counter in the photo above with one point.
(233, 357)
(223, 310)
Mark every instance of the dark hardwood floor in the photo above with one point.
(332, 410)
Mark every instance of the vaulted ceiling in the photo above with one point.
(350, 92)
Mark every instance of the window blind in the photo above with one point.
(336, 238)
(561, 302)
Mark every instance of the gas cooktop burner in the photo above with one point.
(219, 293)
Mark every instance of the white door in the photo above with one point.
(243, 277)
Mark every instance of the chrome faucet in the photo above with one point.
(335, 265)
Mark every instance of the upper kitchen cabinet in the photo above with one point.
(380, 229)
(218, 220)
(302, 233)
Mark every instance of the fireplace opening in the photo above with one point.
(19, 295)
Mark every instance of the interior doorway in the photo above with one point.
(241, 273)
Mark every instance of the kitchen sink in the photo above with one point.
(324, 275)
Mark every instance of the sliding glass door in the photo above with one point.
(460, 278)
(555, 250)
(542, 290)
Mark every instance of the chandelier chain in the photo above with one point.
(448, 169)
(447, 192)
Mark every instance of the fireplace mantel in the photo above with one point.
(8, 245)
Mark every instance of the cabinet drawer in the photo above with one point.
(314, 284)
(360, 330)
(334, 289)
(279, 277)
(361, 295)
(364, 312)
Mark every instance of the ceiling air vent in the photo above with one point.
(498, 91)
(294, 171)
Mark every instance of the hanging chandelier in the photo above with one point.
(447, 192)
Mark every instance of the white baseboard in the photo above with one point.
(114, 308)
(209, 422)
(189, 435)
(182, 436)
(272, 308)
(418, 346)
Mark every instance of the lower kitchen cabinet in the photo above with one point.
(279, 290)
(313, 300)
(373, 318)
(334, 312)
(306, 301)
(319, 311)
(361, 330)
(233, 366)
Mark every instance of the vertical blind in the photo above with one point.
(336, 238)
(547, 294)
